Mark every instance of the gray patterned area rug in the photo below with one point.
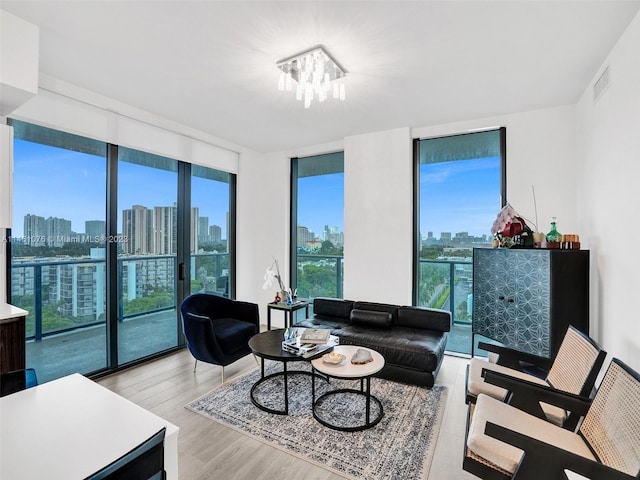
(401, 446)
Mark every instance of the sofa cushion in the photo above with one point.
(378, 307)
(413, 348)
(332, 307)
(371, 318)
(427, 318)
(335, 324)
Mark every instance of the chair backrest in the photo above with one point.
(612, 424)
(577, 364)
(196, 312)
(144, 462)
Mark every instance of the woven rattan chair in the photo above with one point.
(504, 442)
(574, 370)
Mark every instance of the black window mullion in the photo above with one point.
(231, 236)
(113, 285)
(183, 253)
(293, 215)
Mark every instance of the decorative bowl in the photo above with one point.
(333, 358)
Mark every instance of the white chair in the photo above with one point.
(504, 442)
(574, 370)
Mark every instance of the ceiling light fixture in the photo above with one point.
(316, 73)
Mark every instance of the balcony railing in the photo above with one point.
(320, 275)
(69, 294)
(447, 284)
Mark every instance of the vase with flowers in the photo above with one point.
(273, 273)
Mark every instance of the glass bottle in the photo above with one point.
(554, 235)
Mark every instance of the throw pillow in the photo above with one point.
(371, 318)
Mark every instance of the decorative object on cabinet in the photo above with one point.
(526, 299)
(511, 230)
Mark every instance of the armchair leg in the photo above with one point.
(223, 374)
(194, 366)
(256, 359)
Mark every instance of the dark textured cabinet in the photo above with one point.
(12, 330)
(527, 298)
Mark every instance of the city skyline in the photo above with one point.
(460, 196)
(455, 196)
(73, 186)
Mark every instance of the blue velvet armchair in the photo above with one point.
(218, 329)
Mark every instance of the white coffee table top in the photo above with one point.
(346, 369)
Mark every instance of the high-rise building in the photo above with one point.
(195, 235)
(58, 231)
(165, 230)
(336, 237)
(137, 228)
(95, 229)
(215, 233)
(35, 230)
(304, 236)
(203, 230)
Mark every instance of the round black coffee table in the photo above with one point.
(268, 345)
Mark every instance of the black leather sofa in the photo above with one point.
(411, 339)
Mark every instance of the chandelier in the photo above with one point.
(316, 73)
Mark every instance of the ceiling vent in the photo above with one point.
(601, 85)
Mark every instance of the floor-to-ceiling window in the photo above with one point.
(147, 253)
(211, 233)
(317, 225)
(102, 242)
(58, 249)
(460, 189)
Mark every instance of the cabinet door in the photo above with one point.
(511, 298)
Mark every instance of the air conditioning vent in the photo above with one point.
(601, 85)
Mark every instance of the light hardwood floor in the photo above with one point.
(209, 450)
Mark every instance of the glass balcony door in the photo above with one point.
(211, 232)
(146, 245)
(106, 245)
(58, 249)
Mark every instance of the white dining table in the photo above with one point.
(69, 428)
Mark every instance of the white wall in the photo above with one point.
(378, 217)
(609, 159)
(18, 61)
(262, 228)
(263, 225)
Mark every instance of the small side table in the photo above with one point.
(288, 311)
(348, 371)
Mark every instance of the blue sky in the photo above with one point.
(459, 196)
(321, 202)
(54, 182)
(51, 182)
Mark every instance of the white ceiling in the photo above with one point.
(211, 64)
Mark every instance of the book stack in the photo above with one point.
(318, 336)
(308, 342)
